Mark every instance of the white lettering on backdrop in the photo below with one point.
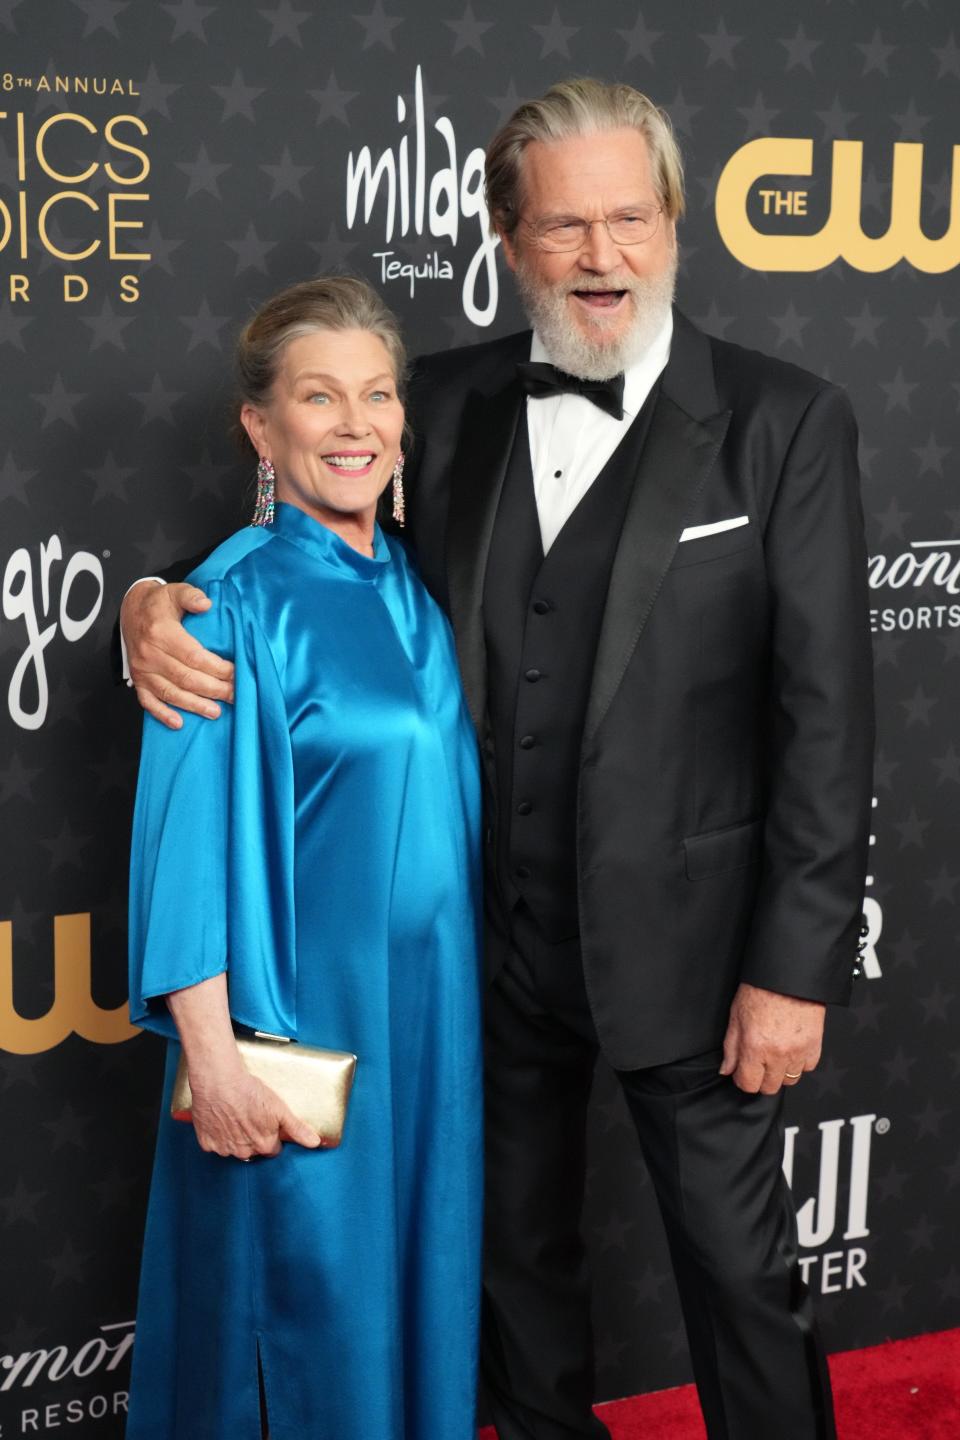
(21, 602)
(399, 180)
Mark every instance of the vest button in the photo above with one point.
(522, 872)
(532, 675)
(524, 808)
(542, 607)
(527, 742)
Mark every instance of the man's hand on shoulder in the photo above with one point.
(167, 665)
(771, 1039)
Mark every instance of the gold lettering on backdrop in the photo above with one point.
(45, 165)
(116, 224)
(841, 236)
(70, 84)
(59, 175)
(73, 1010)
(45, 209)
(75, 288)
(111, 139)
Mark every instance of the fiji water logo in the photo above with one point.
(846, 1149)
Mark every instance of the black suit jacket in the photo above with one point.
(726, 763)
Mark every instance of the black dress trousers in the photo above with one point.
(714, 1155)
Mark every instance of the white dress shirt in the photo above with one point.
(571, 439)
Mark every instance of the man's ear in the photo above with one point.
(254, 423)
(509, 244)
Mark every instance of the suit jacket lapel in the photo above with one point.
(479, 466)
(685, 434)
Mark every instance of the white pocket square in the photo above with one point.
(697, 532)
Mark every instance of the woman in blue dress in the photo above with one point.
(307, 865)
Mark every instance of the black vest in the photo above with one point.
(542, 618)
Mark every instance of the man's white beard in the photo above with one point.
(577, 351)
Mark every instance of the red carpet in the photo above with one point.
(905, 1390)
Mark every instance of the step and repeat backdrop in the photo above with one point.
(163, 168)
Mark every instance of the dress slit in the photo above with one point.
(262, 1388)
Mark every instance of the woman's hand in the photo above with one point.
(240, 1116)
(233, 1114)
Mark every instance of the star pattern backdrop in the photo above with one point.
(165, 167)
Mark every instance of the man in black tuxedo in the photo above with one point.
(650, 546)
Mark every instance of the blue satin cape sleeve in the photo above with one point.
(211, 873)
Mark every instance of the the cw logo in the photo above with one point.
(842, 234)
(73, 1011)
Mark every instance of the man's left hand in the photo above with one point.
(771, 1039)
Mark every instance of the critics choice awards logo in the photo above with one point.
(78, 191)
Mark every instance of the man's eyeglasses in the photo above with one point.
(567, 232)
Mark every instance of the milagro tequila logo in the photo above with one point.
(40, 596)
(846, 1147)
(398, 181)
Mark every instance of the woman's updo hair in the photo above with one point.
(330, 302)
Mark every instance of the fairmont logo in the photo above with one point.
(927, 563)
(841, 236)
(933, 562)
(104, 1351)
(415, 203)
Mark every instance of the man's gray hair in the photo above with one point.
(579, 106)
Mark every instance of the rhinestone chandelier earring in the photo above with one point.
(266, 487)
(399, 512)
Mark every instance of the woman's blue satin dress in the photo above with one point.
(319, 843)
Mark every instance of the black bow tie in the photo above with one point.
(539, 380)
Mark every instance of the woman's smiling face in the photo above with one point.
(332, 427)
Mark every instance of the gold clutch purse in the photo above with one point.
(315, 1084)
